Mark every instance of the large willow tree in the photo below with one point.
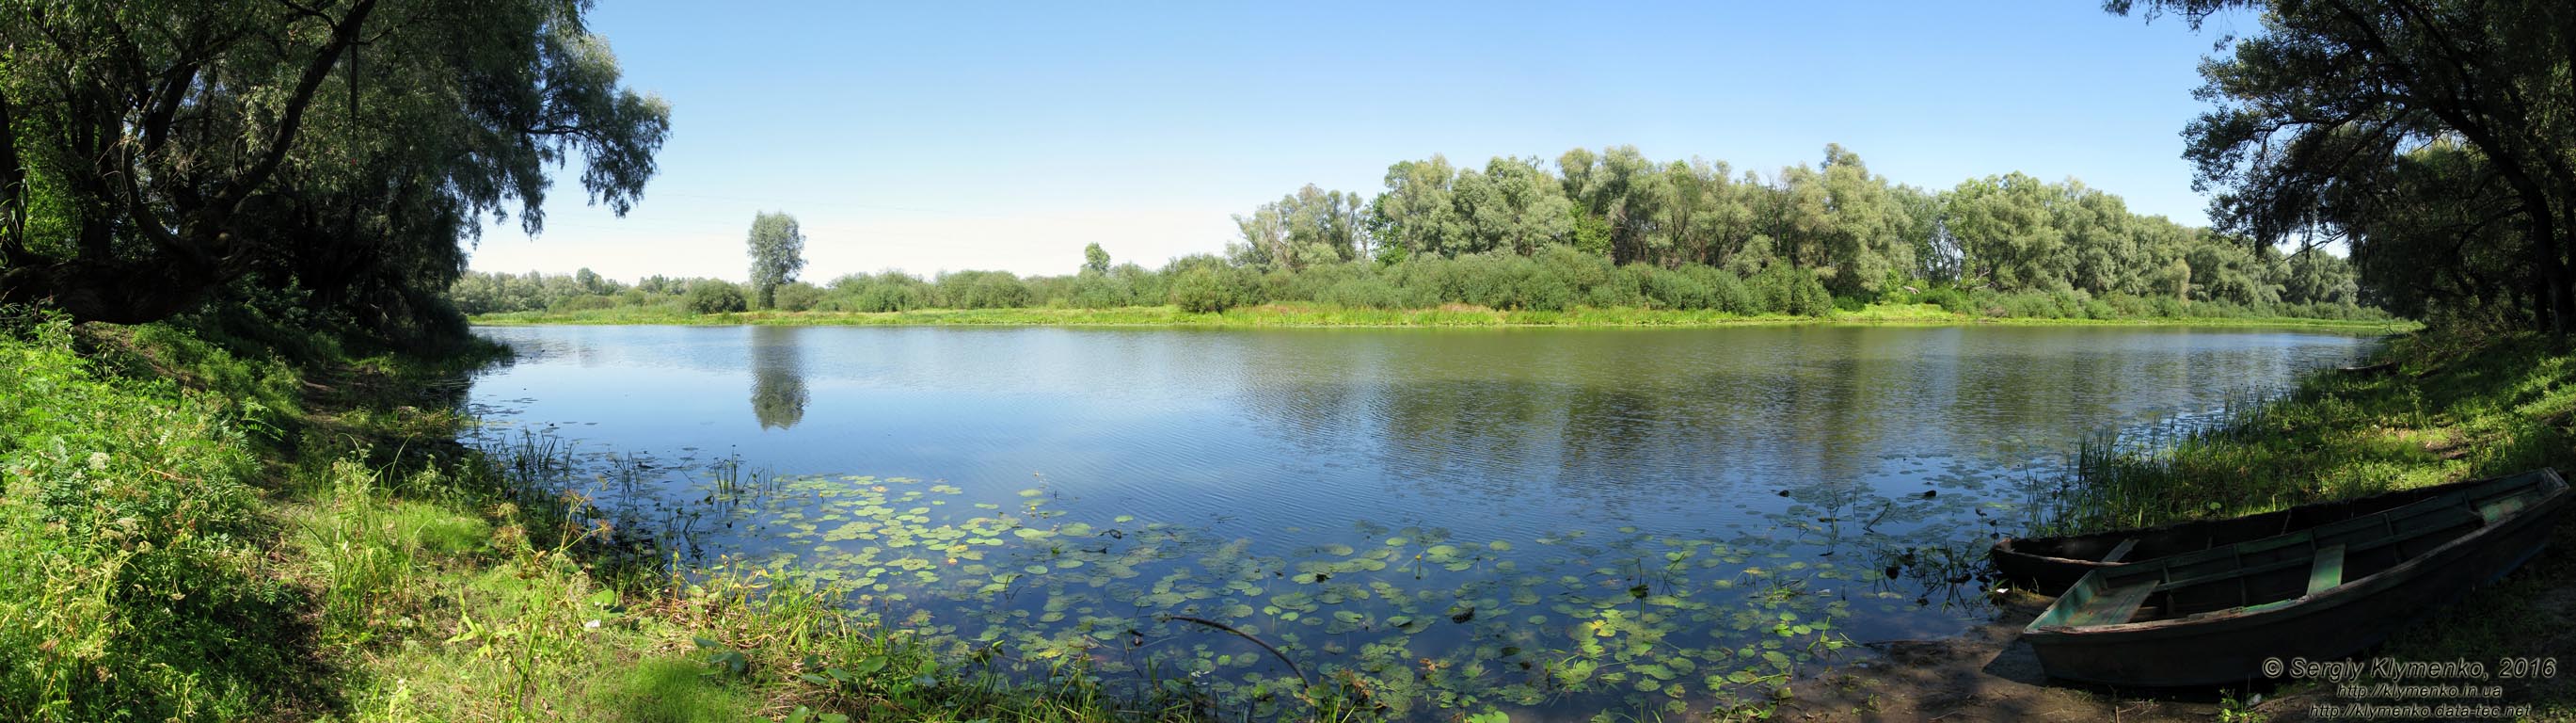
(2437, 137)
(156, 150)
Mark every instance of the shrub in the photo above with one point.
(1673, 290)
(581, 303)
(983, 290)
(1203, 290)
(1786, 290)
(1370, 293)
(2028, 305)
(1100, 292)
(715, 296)
(1950, 299)
(798, 296)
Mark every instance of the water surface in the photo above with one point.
(1559, 483)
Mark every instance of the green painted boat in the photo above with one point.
(2322, 593)
(2048, 565)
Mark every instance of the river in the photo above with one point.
(1533, 519)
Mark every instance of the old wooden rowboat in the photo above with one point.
(2323, 593)
(2047, 565)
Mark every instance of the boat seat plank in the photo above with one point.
(2328, 571)
(2122, 550)
(2232, 573)
(2113, 607)
(2498, 509)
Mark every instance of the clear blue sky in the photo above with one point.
(930, 136)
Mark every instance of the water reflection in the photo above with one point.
(1482, 431)
(777, 377)
(1580, 457)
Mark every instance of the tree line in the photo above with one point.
(333, 157)
(1606, 229)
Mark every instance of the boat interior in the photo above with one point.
(2275, 571)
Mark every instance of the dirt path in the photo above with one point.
(1986, 674)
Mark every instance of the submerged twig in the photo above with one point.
(1274, 652)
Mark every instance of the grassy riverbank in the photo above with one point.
(2446, 409)
(1325, 315)
(215, 522)
(200, 525)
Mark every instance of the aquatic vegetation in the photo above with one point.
(1403, 617)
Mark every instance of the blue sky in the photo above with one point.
(930, 136)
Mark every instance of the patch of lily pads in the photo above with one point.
(1415, 618)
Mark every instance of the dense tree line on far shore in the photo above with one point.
(329, 160)
(1611, 229)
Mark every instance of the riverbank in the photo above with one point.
(288, 531)
(2445, 409)
(203, 522)
(1317, 315)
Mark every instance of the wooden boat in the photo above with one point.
(2323, 593)
(2047, 565)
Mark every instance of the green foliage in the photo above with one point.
(715, 296)
(1785, 290)
(1095, 261)
(123, 591)
(890, 291)
(1616, 230)
(798, 296)
(983, 290)
(2428, 136)
(1206, 290)
(228, 134)
(777, 248)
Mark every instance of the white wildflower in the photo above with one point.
(98, 460)
(593, 624)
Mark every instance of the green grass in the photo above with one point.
(2451, 409)
(296, 535)
(1325, 315)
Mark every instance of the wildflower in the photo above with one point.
(98, 460)
(592, 624)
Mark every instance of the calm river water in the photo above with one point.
(1531, 519)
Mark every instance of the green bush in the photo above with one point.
(983, 290)
(1669, 290)
(715, 296)
(1370, 293)
(1950, 300)
(798, 296)
(1100, 292)
(2029, 305)
(581, 303)
(1201, 290)
(1786, 290)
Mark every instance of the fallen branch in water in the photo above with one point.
(1274, 652)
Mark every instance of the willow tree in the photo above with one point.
(2323, 111)
(152, 152)
(777, 248)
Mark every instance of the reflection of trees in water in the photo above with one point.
(777, 377)
(1623, 420)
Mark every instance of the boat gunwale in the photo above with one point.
(2007, 546)
(2556, 495)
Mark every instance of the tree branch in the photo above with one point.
(291, 120)
(1274, 652)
